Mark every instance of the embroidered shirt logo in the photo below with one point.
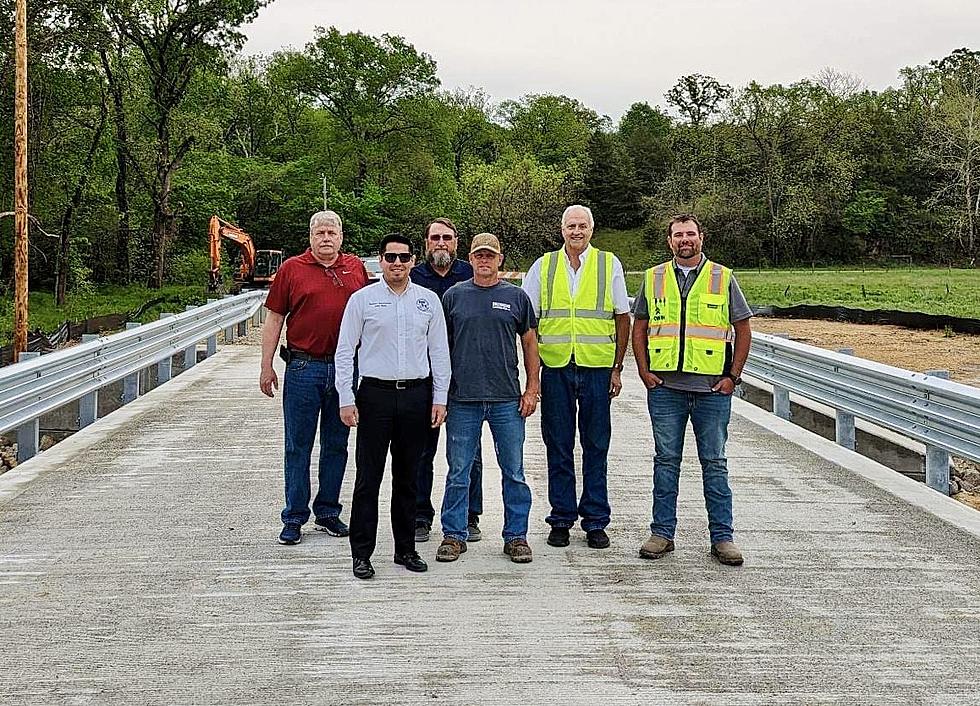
(501, 305)
(422, 304)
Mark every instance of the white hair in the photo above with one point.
(329, 218)
(588, 212)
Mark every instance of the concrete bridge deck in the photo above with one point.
(138, 564)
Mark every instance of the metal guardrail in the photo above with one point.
(38, 384)
(943, 415)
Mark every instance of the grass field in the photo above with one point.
(933, 291)
(46, 316)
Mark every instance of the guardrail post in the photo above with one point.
(243, 328)
(88, 406)
(131, 383)
(937, 459)
(190, 353)
(262, 314)
(165, 368)
(844, 422)
(780, 403)
(229, 331)
(28, 435)
(212, 339)
(780, 395)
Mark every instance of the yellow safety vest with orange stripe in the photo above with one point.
(583, 325)
(702, 331)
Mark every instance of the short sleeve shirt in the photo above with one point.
(425, 276)
(484, 324)
(312, 297)
(738, 310)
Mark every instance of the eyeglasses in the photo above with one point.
(402, 257)
(445, 237)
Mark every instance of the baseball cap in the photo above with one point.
(485, 241)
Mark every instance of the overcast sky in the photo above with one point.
(614, 53)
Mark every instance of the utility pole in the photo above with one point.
(20, 181)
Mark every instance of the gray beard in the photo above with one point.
(440, 259)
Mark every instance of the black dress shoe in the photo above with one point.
(363, 568)
(411, 561)
(558, 537)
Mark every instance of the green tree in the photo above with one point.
(952, 145)
(370, 86)
(176, 40)
(520, 200)
(646, 134)
(698, 97)
(610, 185)
(554, 129)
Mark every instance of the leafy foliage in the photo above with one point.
(145, 121)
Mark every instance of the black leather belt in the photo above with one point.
(290, 354)
(394, 384)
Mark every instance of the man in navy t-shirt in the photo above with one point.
(440, 271)
(485, 317)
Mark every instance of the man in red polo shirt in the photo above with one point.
(309, 295)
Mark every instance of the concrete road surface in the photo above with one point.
(138, 564)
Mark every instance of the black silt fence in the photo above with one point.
(908, 319)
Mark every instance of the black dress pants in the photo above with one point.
(399, 420)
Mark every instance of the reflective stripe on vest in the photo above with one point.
(584, 326)
(707, 330)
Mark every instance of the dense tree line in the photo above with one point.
(145, 119)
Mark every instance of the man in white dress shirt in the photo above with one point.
(579, 298)
(396, 328)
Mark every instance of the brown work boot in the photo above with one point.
(518, 551)
(450, 549)
(656, 547)
(727, 553)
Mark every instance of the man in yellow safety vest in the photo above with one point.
(688, 312)
(579, 297)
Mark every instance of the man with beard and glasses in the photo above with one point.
(440, 271)
(308, 296)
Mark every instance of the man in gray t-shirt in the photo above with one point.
(486, 317)
(678, 394)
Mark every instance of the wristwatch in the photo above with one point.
(619, 367)
(737, 379)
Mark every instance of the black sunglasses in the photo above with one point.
(402, 257)
(445, 237)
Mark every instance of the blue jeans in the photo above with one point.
(562, 389)
(709, 414)
(424, 512)
(464, 425)
(308, 393)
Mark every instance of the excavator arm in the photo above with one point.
(218, 229)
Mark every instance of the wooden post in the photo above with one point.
(20, 180)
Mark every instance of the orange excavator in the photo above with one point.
(257, 268)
